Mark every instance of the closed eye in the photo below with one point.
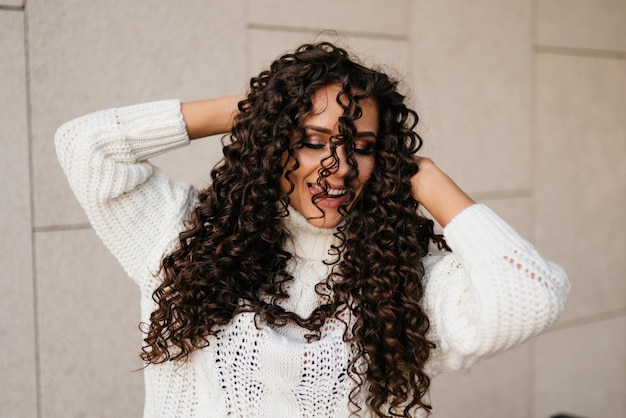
(311, 145)
(365, 143)
(364, 151)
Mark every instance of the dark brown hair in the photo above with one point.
(231, 257)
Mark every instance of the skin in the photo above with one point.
(319, 206)
(433, 188)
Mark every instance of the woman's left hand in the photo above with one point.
(437, 192)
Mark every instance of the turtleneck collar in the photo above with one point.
(306, 241)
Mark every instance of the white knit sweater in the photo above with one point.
(492, 292)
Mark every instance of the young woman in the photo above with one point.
(303, 282)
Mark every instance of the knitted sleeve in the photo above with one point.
(492, 292)
(134, 208)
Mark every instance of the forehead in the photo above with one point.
(326, 111)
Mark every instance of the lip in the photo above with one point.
(339, 196)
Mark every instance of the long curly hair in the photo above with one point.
(231, 257)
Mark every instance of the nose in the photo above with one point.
(340, 166)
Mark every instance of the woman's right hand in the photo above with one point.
(210, 117)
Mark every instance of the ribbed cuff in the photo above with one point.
(152, 128)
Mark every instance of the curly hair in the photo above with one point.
(231, 257)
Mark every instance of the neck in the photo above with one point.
(309, 242)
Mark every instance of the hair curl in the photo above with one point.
(231, 257)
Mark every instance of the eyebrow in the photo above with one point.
(327, 131)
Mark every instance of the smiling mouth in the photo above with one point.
(329, 193)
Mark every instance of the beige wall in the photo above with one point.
(523, 103)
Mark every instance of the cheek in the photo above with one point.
(307, 165)
(366, 169)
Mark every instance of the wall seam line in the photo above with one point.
(588, 320)
(60, 228)
(246, 40)
(29, 135)
(502, 194)
(532, 377)
(322, 31)
(12, 8)
(580, 52)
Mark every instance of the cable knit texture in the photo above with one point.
(491, 292)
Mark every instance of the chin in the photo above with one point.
(329, 219)
(326, 222)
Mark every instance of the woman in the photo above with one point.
(303, 281)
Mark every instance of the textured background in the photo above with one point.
(523, 102)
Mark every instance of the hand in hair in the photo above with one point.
(437, 192)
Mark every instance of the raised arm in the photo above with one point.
(134, 208)
(493, 291)
(211, 116)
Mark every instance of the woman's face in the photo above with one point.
(320, 127)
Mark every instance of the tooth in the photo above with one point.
(336, 192)
(332, 192)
